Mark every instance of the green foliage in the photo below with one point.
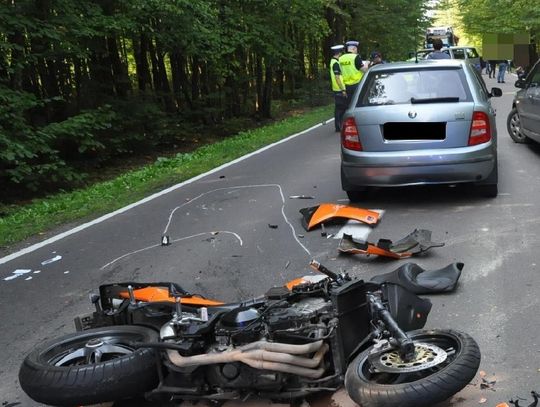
(90, 80)
(43, 214)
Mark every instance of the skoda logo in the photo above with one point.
(412, 115)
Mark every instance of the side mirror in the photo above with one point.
(495, 92)
(520, 83)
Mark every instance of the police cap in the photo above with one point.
(352, 43)
(337, 48)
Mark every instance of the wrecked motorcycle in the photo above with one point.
(312, 335)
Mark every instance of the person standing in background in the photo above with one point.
(502, 70)
(351, 65)
(492, 64)
(338, 87)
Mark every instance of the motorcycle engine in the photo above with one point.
(280, 321)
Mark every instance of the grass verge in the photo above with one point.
(44, 214)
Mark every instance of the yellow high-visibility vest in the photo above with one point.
(335, 86)
(349, 73)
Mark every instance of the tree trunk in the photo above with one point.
(266, 108)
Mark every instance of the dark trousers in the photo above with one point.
(339, 109)
(350, 91)
(492, 69)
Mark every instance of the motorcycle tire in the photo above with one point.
(421, 388)
(89, 367)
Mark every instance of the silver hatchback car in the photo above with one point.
(420, 123)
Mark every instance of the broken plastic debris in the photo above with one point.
(482, 400)
(271, 226)
(49, 261)
(301, 197)
(535, 397)
(417, 242)
(487, 384)
(317, 214)
(323, 230)
(165, 240)
(17, 273)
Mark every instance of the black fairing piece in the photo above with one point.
(419, 281)
(418, 241)
(408, 310)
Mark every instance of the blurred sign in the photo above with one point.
(506, 46)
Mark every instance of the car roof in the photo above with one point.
(421, 64)
(452, 47)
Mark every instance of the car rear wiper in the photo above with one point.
(449, 99)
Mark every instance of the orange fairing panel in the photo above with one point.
(324, 212)
(305, 280)
(154, 294)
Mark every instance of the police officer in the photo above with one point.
(338, 87)
(351, 65)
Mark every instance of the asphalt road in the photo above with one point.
(222, 247)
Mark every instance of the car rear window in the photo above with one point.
(471, 53)
(400, 87)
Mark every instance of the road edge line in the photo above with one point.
(109, 215)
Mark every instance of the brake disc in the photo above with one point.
(426, 356)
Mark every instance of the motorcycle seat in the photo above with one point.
(419, 281)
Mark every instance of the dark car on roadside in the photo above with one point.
(523, 122)
(421, 123)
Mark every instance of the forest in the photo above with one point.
(82, 82)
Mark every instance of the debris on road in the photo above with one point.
(165, 240)
(323, 230)
(535, 397)
(272, 226)
(315, 215)
(49, 261)
(420, 281)
(301, 197)
(417, 242)
(482, 400)
(487, 384)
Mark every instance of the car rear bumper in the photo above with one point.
(417, 167)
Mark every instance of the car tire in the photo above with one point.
(357, 196)
(513, 125)
(489, 190)
(59, 372)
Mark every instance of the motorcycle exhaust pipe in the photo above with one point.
(259, 355)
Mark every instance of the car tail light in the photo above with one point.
(480, 129)
(350, 139)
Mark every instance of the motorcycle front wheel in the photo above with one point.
(90, 367)
(416, 386)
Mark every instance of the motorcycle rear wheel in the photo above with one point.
(90, 367)
(422, 388)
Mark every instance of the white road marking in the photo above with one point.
(103, 218)
(360, 231)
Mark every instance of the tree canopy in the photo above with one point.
(93, 79)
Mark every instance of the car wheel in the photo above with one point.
(489, 190)
(357, 196)
(513, 124)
